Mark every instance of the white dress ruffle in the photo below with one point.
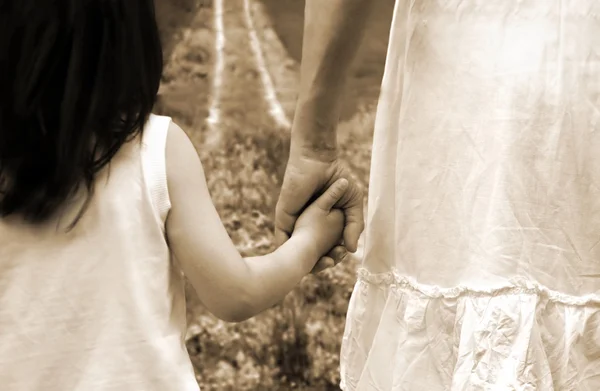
(522, 336)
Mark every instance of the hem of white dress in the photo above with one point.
(395, 280)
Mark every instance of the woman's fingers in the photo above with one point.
(352, 205)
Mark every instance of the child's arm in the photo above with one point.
(231, 287)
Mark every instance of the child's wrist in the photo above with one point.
(306, 248)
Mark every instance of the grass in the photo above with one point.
(294, 345)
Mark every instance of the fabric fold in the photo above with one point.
(404, 336)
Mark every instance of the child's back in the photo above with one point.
(100, 307)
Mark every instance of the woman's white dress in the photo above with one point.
(482, 258)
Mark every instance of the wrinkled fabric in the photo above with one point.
(481, 268)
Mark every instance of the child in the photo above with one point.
(101, 220)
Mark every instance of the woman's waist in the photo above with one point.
(484, 264)
(448, 287)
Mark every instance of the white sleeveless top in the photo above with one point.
(101, 307)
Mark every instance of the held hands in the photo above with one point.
(307, 175)
(321, 223)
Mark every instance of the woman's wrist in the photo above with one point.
(314, 132)
(313, 150)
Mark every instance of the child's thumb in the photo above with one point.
(332, 195)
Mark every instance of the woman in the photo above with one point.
(482, 260)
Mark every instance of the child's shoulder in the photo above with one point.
(183, 166)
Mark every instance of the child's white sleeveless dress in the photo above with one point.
(482, 260)
(101, 308)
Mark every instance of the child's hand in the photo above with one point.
(320, 222)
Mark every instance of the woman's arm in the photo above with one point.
(333, 30)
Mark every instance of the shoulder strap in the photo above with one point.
(154, 143)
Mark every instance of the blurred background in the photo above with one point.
(230, 82)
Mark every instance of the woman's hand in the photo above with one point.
(307, 175)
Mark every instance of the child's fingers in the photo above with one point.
(322, 264)
(336, 255)
(332, 195)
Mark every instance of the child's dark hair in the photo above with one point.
(78, 79)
